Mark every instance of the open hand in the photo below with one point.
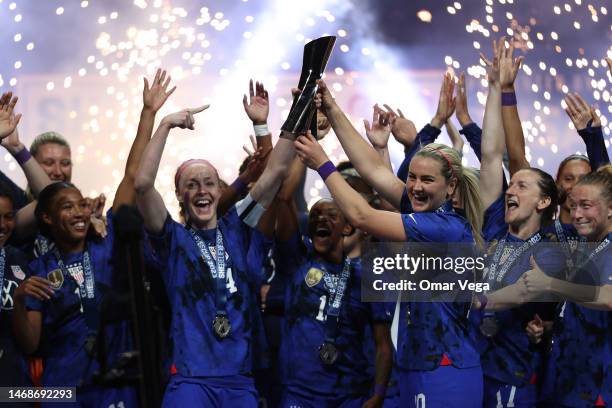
(580, 112)
(257, 107)
(446, 101)
(8, 120)
(378, 133)
(155, 96)
(402, 129)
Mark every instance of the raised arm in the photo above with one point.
(383, 224)
(275, 172)
(515, 140)
(454, 136)
(148, 199)
(469, 128)
(286, 208)
(588, 125)
(36, 176)
(257, 108)
(153, 99)
(491, 171)
(378, 133)
(366, 160)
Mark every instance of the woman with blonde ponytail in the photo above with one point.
(438, 364)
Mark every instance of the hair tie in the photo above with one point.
(448, 162)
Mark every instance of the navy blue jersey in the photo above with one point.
(310, 284)
(65, 330)
(13, 367)
(428, 331)
(196, 350)
(508, 356)
(583, 337)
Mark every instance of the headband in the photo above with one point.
(184, 166)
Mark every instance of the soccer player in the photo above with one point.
(513, 223)
(58, 314)
(215, 316)
(439, 365)
(326, 326)
(582, 330)
(13, 262)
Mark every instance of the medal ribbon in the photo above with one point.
(217, 270)
(86, 289)
(333, 308)
(565, 244)
(492, 275)
(603, 245)
(2, 264)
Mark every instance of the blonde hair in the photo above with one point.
(601, 178)
(467, 183)
(46, 138)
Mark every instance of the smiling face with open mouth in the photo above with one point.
(327, 226)
(524, 200)
(7, 219)
(199, 193)
(591, 217)
(427, 187)
(69, 216)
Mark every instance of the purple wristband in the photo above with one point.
(326, 169)
(380, 389)
(239, 186)
(22, 156)
(508, 99)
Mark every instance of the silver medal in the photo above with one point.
(328, 353)
(222, 326)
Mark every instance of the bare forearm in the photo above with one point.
(507, 298)
(125, 192)
(593, 297)
(278, 165)
(363, 156)
(36, 176)
(151, 157)
(492, 127)
(515, 140)
(492, 148)
(292, 181)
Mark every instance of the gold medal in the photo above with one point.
(57, 278)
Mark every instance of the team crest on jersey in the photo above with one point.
(17, 272)
(76, 271)
(313, 277)
(56, 277)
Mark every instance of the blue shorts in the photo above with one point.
(210, 392)
(501, 395)
(97, 397)
(292, 399)
(444, 387)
